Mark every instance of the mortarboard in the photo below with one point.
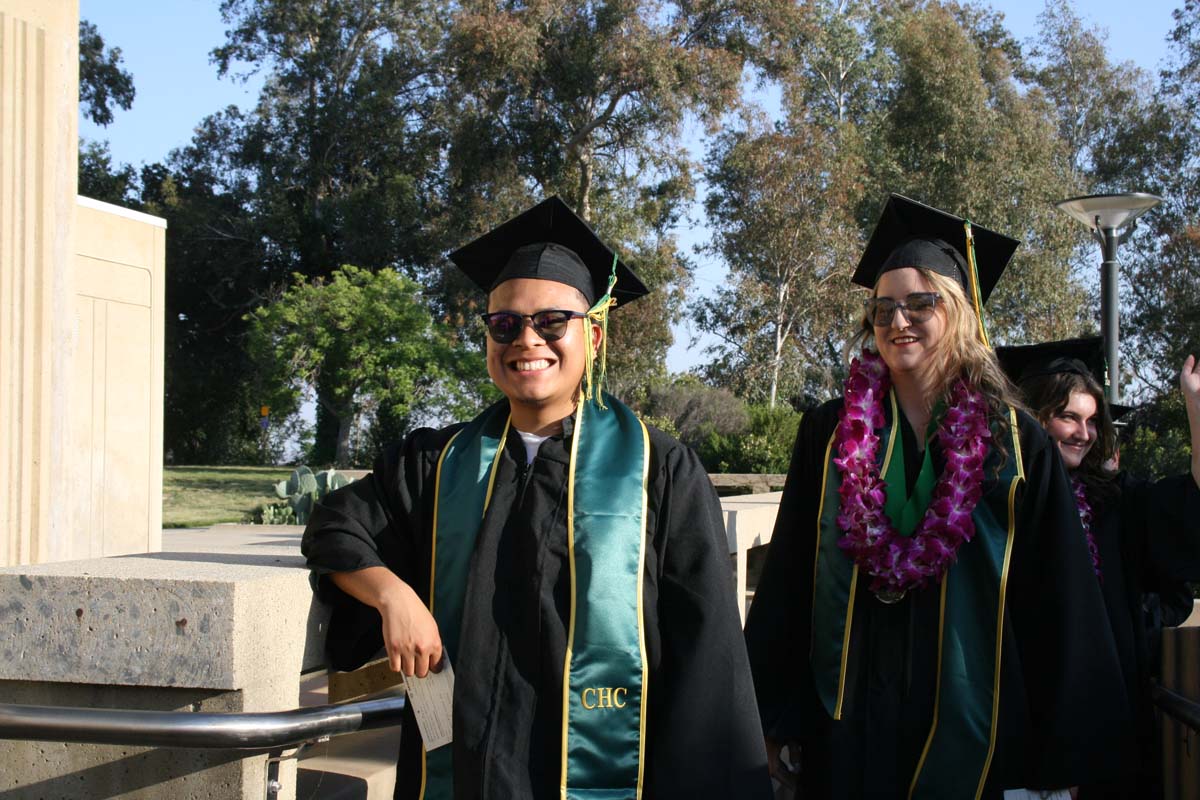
(1083, 356)
(547, 242)
(1119, 410)
(912, 234)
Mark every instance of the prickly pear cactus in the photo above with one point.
(302, 490)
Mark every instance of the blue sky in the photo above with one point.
(166, 45)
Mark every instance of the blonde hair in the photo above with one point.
(961, 351)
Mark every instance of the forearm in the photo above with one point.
(1189, 386)
(377, 587)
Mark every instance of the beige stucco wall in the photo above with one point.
(81, 320)
(116, 384)
(39, 91)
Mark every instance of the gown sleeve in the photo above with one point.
(704, 737)
(1074, 692)
(1163, 520)
(376, 521)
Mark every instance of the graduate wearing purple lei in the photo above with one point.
(928, 623)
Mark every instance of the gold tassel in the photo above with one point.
(973, 280)
(598, 313)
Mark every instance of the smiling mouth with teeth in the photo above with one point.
(530, 366)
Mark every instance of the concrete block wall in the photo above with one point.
(209, 627)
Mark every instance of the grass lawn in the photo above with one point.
(194, 497)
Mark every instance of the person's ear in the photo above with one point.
(597, 336)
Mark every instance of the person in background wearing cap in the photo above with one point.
(575, 561)
(927, 624)
(1142, 535)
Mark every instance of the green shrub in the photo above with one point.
(765, 447)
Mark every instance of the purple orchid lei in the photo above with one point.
(897, 563)
(1085, 517)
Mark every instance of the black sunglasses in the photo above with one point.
(917, 307)
(551, 324)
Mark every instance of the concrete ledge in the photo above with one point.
(201, 619)
(221, 620)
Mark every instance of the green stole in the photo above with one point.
(958, 751)
(605, 670)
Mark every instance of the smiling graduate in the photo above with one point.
(1143, 535)
(571, 561)
(927, 624)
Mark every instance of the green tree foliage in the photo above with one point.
(1159, 444)
(922, 99)
(961, 135)
(387, 132)
(100, 179)
(343, 146)
(102, 82)
(1158, 150)
(219, 268)
(1163, 265)
(1094, 99)
(588, 100)
(340, 146)
(367, 336)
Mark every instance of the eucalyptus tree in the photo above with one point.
(962, 134)
(1161, 154)
(589, 100)
(780, 206)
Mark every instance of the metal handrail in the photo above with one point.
(235, 731)
(1178, 707)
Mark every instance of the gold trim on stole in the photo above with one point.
(987, 764)
(437, 491)
(817, 552)
(566, 696)
(641, 583)
(1012, 497)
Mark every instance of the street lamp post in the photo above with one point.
(1105, 215)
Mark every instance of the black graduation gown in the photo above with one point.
(1148, 536)
(1062, 708)
(703, 736)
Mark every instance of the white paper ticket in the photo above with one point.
(432, 701)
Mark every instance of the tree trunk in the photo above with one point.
(345, 425)
(585, 187)
(325, 438)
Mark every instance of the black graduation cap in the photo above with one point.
(912, 234)
(548, 242)
(1083, 356)
(1118, 410)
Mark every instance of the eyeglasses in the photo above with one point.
(917, 307)
(551, 324)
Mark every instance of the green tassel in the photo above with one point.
(594, 384)
(973, 281)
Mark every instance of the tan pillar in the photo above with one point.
(39, 92)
